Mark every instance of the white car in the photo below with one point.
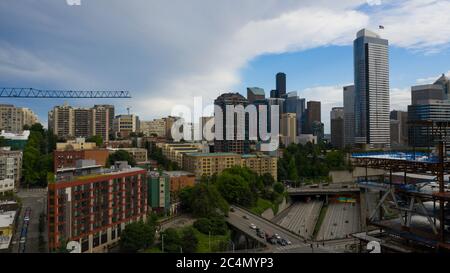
(288, 242)
(277, 236)
(22, 240)
(27, 218)
(252, 226)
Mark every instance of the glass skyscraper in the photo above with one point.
(371, 64)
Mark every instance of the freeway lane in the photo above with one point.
(237, 220)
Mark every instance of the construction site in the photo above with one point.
(407, 209)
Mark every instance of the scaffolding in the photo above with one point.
(417, 212)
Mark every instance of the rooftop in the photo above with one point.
(213, 154)
(406, 156)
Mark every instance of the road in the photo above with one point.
(298, 245)
(36, 199)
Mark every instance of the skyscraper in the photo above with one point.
(371, 64)
(294, 104)
(399, 128)
(428, 103)
(337, 127)
(281, 84)
(254, 94)
(349, 115)
(229, 141)
(313, 114)
(288, 128)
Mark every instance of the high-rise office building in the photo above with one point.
(288, 128)
(399, 128)
(349, 115)
(226, 139)
(281, 84)
(428, 103)
(254, 94)
(337, 127)
(12, 119)
(371, 68)
(313, 114)
(294, 104)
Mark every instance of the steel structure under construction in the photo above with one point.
(413, 211)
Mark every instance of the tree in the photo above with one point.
(278, 187)
(121, 155)
(97, 139)
(137, 236)
(203, 200)
(171, 240)
(292, 170)
(2, 141)
(189, 240)
(235, 189)
(215, 225)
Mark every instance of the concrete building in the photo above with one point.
(175, 151)
(337, 127)
(208, 164)
(92, 205)
(68, 122)
(111, 114)
(124, 125)
(10, 167)
(178, 181)
(138, 154)
(77, 144)
(372, 106)
(294, 104)
(227, 140)
(68, 158)
(399, 128)
(349, 115)
(158, 185)
(288, 128)
(155, 127)
(13, 119)
(254, 94)
(305, 138)
(312, 114)
(428, 103)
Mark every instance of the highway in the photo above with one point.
(298, 244)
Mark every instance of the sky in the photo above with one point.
(168, 52)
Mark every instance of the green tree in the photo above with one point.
(121, 155)
(189, 240)
(278, 187)
(292, 170)
(235, 189)
(2, 141)
(203, 200)
(137, 236)
(97, 139)
(172, 240)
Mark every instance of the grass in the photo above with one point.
(261, 206)
(323, 212)
(216, 241)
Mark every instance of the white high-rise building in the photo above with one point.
(371, 63)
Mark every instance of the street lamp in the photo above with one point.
(162, 242)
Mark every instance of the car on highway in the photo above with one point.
(27, 218)
(245, 217)
(278, 237)
(232, 210)
(23, 240)
(253, 226)
(282, 242)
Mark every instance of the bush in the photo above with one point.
(216, 225)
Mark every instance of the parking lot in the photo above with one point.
(26, 237)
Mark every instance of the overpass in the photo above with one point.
(322, 190)
(236, 219)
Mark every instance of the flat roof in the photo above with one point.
(406, 156)
(213, 154)
(177, 173)
(7, 218)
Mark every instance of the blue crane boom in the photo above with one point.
(50, 94)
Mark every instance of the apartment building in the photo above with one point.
(175, 151)
(10, 167)
(13, 119)
(92, 205)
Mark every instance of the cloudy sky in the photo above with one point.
(167, 52)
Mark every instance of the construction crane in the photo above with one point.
(55, 94)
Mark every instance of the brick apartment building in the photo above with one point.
(68, 159)
(92, 205)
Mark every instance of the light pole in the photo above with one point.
(232, 244)
(162, 242)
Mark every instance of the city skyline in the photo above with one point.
(316, 69)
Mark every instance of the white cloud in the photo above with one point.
(431, 79)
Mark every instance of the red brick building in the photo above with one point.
(67, 159)
(92, 205)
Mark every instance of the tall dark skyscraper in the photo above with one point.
(371, 63)
(281, 84)
(234, 145)
(313, 114)
(349, 115)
